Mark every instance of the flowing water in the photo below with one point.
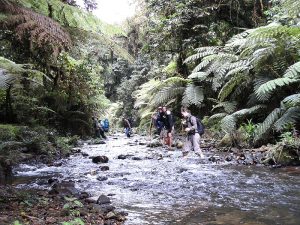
(156, 186)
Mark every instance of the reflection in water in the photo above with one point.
(164, 188)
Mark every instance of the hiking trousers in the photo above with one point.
(192, 142)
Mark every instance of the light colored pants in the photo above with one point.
(192, 142)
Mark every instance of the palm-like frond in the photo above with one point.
(292, 75)
(230, 85)
(193, 95)
(229, 122)
(229, 107)
(289, 117)
(292, 100)
(267, 124)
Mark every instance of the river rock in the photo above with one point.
(104, 168)
(136, 158)
(84, 195)
(100, 159)
(111, 215)
(100, 142)
(122, 156)
(103, 199)
(102, 178)
(229, 158)
(64, 188)
(84, 154)
(91, 200)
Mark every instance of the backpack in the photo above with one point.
(200, 126)
(105, 125)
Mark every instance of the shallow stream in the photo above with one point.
(156, 186)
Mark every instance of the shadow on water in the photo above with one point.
(156, 186)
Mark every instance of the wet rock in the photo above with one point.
(102, 178)
(103, 199)
(154, 143)
(57, 164)
(100, 159)
(122, 156)
(91, 200)
(136, 158)
(111, 215)
(52, 180)
(229, 158)
(24, 150)
(104, 168)
(214, 158)
(181, 170)
(84, 154)
(64, 188)
(142, 143)
(76, 150)
(99, 142)
(84, 195)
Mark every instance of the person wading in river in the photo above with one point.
(193, 138)
(168, 123)
(127, 127)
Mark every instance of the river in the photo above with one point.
(156, 186)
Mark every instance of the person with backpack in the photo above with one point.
(193, 128)
(157, 121)
(167, 119)
(101, 130)
(105, 125)
(127, 126)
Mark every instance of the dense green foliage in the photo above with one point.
(52, 67)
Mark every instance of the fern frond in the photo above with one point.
(200, 76)
(229, 107)
(264, 91)
(193, 95)
(228, 123)
(230, 85)
(217, 116)
(292, 100)
(166, 94)
(291, 116)
(293, 71)
(263, 128)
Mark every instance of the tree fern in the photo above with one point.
(292, 100)
(166, 94)
(267, 124)
(193, 95)
(229, 86)
(289, 117)
(292, 75)
(229, 122)
(217, 116)
(199, 76)
(229, 107)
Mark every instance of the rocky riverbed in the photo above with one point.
(156, 186)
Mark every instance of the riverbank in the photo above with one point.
(36, 207)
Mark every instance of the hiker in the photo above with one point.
(127, 126)
(157, 120)
(105, 125)
(193, 137)
(168, 124)
(101, 130)
(96, 126)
